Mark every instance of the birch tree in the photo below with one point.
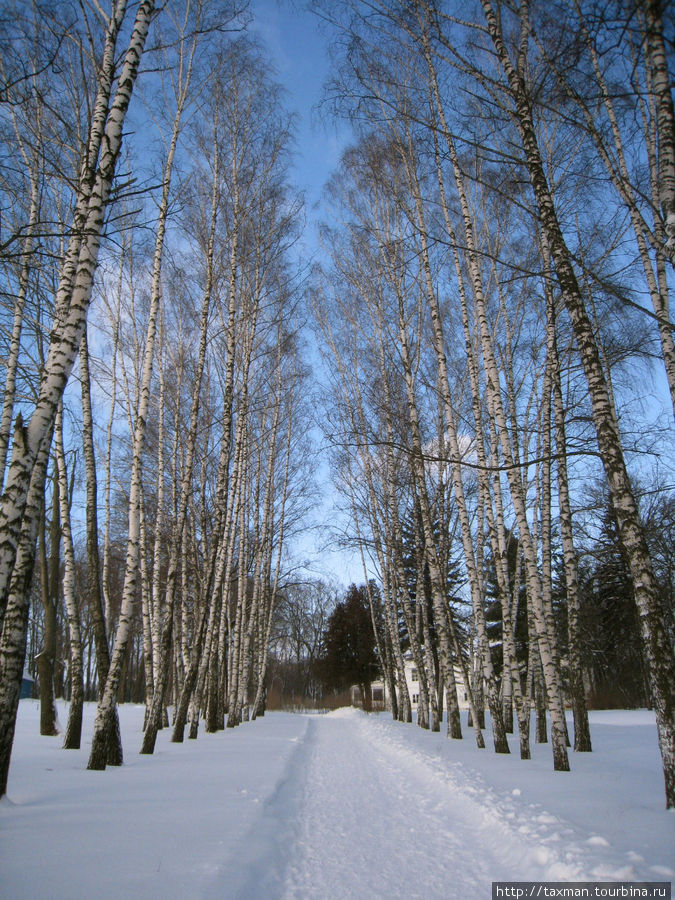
(449, 81)
(659, 653)
(74, 727)
(106, 706)
(20, 504)
(604, 117)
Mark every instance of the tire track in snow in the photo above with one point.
(373, 808)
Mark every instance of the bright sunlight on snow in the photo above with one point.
(344, 805)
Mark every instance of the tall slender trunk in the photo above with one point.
(72, 302)
(221, 662)
(257, 626)
(49, 592)
(116, 318)
(560, 757)
(582, 734)
(443, 615)
(500, 741)
(258, 702)
(236, 648)
(13, 642)
(15, 340)
(107, 702)
(162, 669)
(95, 592)
(509, 596)
(385, 651)
(545, 517)
(658, 652)
(74, 727)
(31, 442)
(661, 85)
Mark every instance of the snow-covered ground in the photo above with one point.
(343, 805)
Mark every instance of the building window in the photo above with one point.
(413, 675)
(415, 698)
(378, 695)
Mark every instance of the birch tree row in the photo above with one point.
(155, 381)
(500, 256)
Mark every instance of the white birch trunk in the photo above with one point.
(13, 642)
(96, 594)
(71, 305)
(20, 503)
(661, 84)
(658, 652)
(74, 727)
(15, 340)
(162, 667)
(582, 733)
(500, 741)
(115, 317)
(560, 758)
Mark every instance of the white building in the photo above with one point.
(412, 681)
(381, 699)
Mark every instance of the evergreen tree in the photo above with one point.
(613, 657)
(349, 649)
(493, 607)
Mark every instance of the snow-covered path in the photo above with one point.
(378, 821)
(367, 809)
(381, 820)
(335, 806)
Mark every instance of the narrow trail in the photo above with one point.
(372, 810)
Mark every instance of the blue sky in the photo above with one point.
(299, 53)
(298, 48)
